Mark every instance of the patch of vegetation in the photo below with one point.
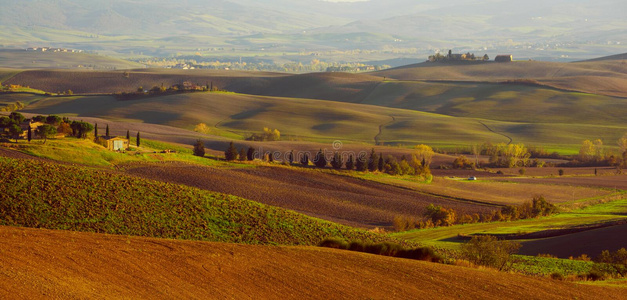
(44, 195)
(610, 264)
(488, 251)
(545, 266)
(446, 237)
(385, 249)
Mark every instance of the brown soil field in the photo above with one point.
(554, 171)
(107, 82)
(38, 264)
(508, 193)
(340, 199)
(345, 86)
(590, 242)
(609, 181)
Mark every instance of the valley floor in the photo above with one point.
(39, 263)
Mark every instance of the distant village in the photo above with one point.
(467, 57)
(52, 49)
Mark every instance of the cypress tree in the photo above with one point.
(128, 135)
(250, 155)
(30, 133)
(350, 163)
(107, 131)
(231, 153)
(381, 163)
(320, 161)
(96, 131)
(360, 164)
(337, 161)
(242, 154)
(372, 161)
(138, 140)
(305, 159)
(291, 157)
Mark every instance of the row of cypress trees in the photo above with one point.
(374, 162)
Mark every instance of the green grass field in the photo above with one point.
(594, 214)
(88, 153)
(238, 116)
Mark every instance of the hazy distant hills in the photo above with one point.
(533, 29)
(156, 18)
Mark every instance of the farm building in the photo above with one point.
(504, 58)
(113, 143)
(28, 123)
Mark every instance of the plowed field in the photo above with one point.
(345, 200)
(44, 264)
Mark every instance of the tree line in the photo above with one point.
(417, 164)
(438, 216)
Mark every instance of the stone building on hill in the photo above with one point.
(504, 58)
(113, 143)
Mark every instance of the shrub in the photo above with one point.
(199, 148)
(267, 135)
(612, 263)
(557, 276)
(540, 207)
(561, 172)
(440, 216)
(334, 243)
(385, 249)
(461, 162)
(403, 223)
(488, 251)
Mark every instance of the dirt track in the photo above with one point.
(38, 264)
(341, 199)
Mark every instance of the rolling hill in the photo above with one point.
(44, 194)
(21, 59)
(60, 264)
(238, 116)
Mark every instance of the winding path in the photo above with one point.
(376, 138)
(502, 134)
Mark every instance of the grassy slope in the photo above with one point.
(20, 59)
(85, 265)
(86, 152)
(235, 115)
(301, 118)
(528, 114)
(606, 78)
(45, 195)
(446, 236)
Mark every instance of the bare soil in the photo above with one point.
(340, 199)
(590, 242)
(605, 181)
(38, 264)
